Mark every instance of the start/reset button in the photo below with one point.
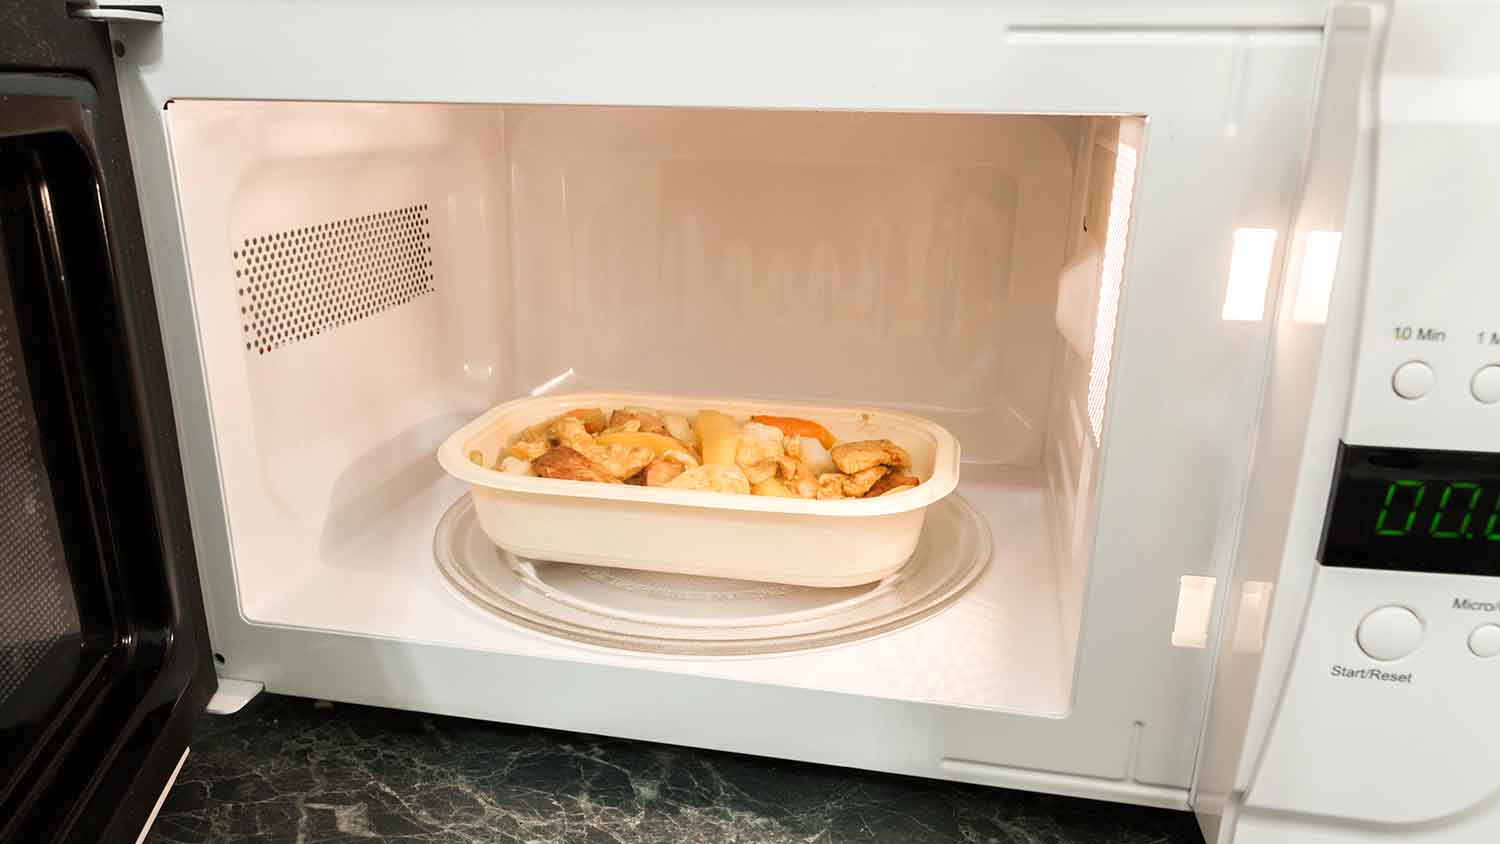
(1389, 633)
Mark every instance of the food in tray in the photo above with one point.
(780, 456)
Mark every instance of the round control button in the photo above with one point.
(1485, 640)
(1486, 384)
(1389, 633)
(1413, 380)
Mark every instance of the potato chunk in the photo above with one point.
(719, 435)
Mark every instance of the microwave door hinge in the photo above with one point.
(105, 11)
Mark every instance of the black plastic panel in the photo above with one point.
(1414, 510)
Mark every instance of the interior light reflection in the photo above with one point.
(1249, 274)
(1320, 257)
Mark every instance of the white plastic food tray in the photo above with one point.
(780, 540)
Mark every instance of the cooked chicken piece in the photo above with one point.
(859, 483)
(622, 461)
(534, 441)
(811, 452)
(788, 468)
(591, 417)
(647, 421)
(537, 432)
(893, 482)
(830, 485)
(667, 465)
(759, 458)
(570, 432)
(761, 453)
(773, 488)
(858, 456)
(528, 449)
(797, 476)
(849, 486)
(661, 470)
(713, 477)
(687, 459)
(566, 464)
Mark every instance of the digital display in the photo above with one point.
(1414, 510)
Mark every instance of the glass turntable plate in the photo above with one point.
(700, 616)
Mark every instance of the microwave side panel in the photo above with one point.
(1133, 688)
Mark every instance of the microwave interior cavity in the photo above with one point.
(368, 277)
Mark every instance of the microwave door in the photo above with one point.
(1290, 453)
(104, 657)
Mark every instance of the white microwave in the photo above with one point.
(1201, 290)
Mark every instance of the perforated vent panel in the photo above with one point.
(37, 607)
(301, 282)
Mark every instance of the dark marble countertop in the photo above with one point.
(289, 770)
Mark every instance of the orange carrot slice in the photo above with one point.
(793, 427)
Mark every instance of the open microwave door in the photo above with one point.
(104, 656)
(1291, 449)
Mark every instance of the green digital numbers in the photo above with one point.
(1467, 495)
(1453, 518)
(1384, 522)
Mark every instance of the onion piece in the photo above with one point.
(516, 466)
(816, 456)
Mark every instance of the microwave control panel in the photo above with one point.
(1385, 725)
(1387, 715)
